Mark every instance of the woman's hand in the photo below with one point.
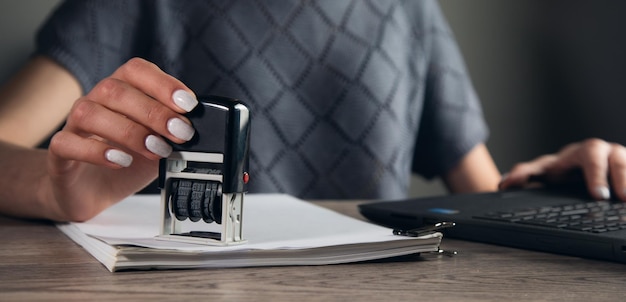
(113, 139)
(603, 165)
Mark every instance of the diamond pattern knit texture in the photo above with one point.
(347, 97)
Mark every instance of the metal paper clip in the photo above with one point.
(424, 230)
(446, 253)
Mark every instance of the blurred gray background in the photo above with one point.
(547, 72)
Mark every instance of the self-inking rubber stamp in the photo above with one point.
(205, 179)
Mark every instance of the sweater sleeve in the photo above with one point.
(91, 38)
(452, 121)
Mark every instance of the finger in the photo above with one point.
(617, 170)
(522, 174)
(90, 118)
(72, 147)
(516, 177)
(119, 96)
(161, 86)
(593, 159)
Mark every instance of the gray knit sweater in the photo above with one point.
(347, 97)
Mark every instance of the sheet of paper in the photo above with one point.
(271, 221)
(280, 229)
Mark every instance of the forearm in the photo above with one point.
(476, 172)
(35, 102)
(23, 183)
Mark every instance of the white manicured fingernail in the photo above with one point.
(119, 157)
(180, 129)
(184, 100)
(502, 180)
(504, 177)
(603, 192)
(158, 146)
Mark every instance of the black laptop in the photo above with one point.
(560, 221)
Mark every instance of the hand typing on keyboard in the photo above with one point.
(603, 165)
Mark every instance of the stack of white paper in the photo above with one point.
(279, 229)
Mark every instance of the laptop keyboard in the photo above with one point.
(595, 216)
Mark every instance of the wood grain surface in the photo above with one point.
(37, 262)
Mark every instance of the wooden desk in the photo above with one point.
(37, 262)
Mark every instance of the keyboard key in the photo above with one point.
(597, 217)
